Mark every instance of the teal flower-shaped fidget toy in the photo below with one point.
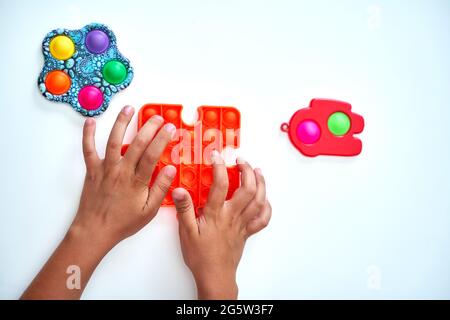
(83, 68)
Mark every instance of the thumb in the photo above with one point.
(185, 209)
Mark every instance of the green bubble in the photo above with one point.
(339, 123)
(114, 72)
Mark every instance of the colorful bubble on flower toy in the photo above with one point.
(83, 68)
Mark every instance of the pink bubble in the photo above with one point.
(90, 97)
(308, 132)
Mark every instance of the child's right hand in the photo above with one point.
(212, 244)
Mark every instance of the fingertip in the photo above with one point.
(170, 171)
(243, 164)
(89, 122)
(179, 194)
(240, 160)
(157, 118)
(170, 129)
(128, 110)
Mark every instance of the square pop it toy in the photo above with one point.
(325, 128)
(191, 147)
(83, 68)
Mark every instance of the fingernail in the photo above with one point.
(127, 110)
(178, 194)
(258, 171)
(89, 121)
(157, 118)
(170, 171)
(240, 160)
(170, 127)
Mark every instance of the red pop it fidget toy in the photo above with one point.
(325, 128)
(191, 147)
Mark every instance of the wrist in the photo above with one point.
(217, 287)
(90, 237)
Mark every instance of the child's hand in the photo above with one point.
(116, 201)
(212, 245)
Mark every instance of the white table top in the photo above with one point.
(373, 226)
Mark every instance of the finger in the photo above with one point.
(153, 152)
(115, 140)
(142, 140)
(161, 186)
(90, 153)
(245, 193)
(219, 188)
(185, 210)
(256, 206)
(259, 222)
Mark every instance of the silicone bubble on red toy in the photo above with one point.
(326, 127)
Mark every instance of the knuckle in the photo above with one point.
(260, 204)
(89, 153)
(184, 206)
(114, 145)
(91, 175)
(151, 157)
(163, 186)
(250, 191)
(140, 142)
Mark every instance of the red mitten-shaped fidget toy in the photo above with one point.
(326, 127)
(191, 147)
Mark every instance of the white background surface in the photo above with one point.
(337, 223)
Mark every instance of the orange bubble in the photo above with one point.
(188, 177)
(211, 116)
(230, 117)
(148, 113)
(166, 157)
(207, 176)
(57, 82)
(171, 115)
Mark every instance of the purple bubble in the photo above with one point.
(308, 132)
(97, 41)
